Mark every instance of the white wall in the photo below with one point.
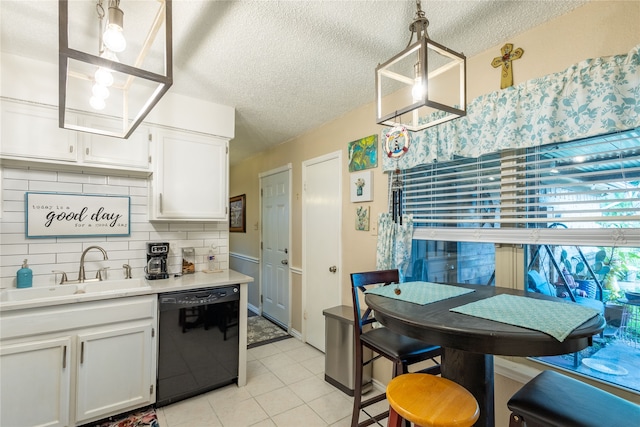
(47, 254)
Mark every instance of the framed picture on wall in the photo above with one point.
(361, 187)
(237, 214)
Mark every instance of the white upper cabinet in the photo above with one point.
(132, 152)
(189, 180)
(31, 131)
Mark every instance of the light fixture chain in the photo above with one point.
(101, 14)
(419, 24)
(100, 9)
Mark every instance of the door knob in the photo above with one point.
(333, 269)
(284, 262)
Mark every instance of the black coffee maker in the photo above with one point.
(157, 260)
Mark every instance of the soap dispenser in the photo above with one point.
(24, 276)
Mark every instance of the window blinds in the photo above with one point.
(514, 196)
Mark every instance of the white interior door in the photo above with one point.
(321, 231)
(275, 246)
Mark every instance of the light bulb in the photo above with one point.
(417, 91)
(114, 38)
(103, 77)
(97, 103)
(100, 91)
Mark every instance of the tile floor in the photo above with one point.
(285, 388)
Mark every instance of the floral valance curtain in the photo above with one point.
(593, 97)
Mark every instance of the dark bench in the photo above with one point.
(553, 399)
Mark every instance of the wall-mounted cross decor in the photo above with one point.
(508, 55)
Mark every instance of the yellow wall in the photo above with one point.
(600, 28)
(597, 29)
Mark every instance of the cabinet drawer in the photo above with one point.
(44, 320)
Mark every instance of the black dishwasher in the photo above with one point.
(198, 342)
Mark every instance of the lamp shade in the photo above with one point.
(136, 79)
(422, 86)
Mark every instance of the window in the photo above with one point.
(559, 200)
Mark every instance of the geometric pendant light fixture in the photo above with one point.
(422, 86)
(115, 63)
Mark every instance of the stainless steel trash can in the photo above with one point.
(340, 351)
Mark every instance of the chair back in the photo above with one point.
(359, 284)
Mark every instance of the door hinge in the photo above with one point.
(262, 192)
(261, 245)
(153, 332)
(151, 389)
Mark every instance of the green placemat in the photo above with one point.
(420, 292)
(557, 319)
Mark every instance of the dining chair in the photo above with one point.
(430, 401)
(401, 350)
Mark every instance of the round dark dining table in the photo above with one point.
(469, 343)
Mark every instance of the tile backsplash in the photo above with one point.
(45, 255)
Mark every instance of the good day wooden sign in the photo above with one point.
(72, 215)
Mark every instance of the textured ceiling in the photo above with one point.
(289, 66)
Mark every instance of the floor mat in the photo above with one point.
(261, 331)
(144, 418)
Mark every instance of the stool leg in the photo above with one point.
(395, 420)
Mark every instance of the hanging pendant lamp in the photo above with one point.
(422, 86)
(110, 79)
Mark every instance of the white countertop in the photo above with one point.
(139, 287)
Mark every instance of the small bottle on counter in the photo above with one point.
(211, 265)
(24, 276)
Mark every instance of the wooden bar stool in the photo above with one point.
(430, 401)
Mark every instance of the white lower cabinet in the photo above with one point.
(35, 382)
(114, 370)
(82, 362)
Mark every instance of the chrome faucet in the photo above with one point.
(81, 274)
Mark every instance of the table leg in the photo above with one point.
(474, 372)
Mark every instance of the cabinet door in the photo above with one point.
(32, 131)
(35, 383)
(100, 149)
(190, 178)
(115, 370)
